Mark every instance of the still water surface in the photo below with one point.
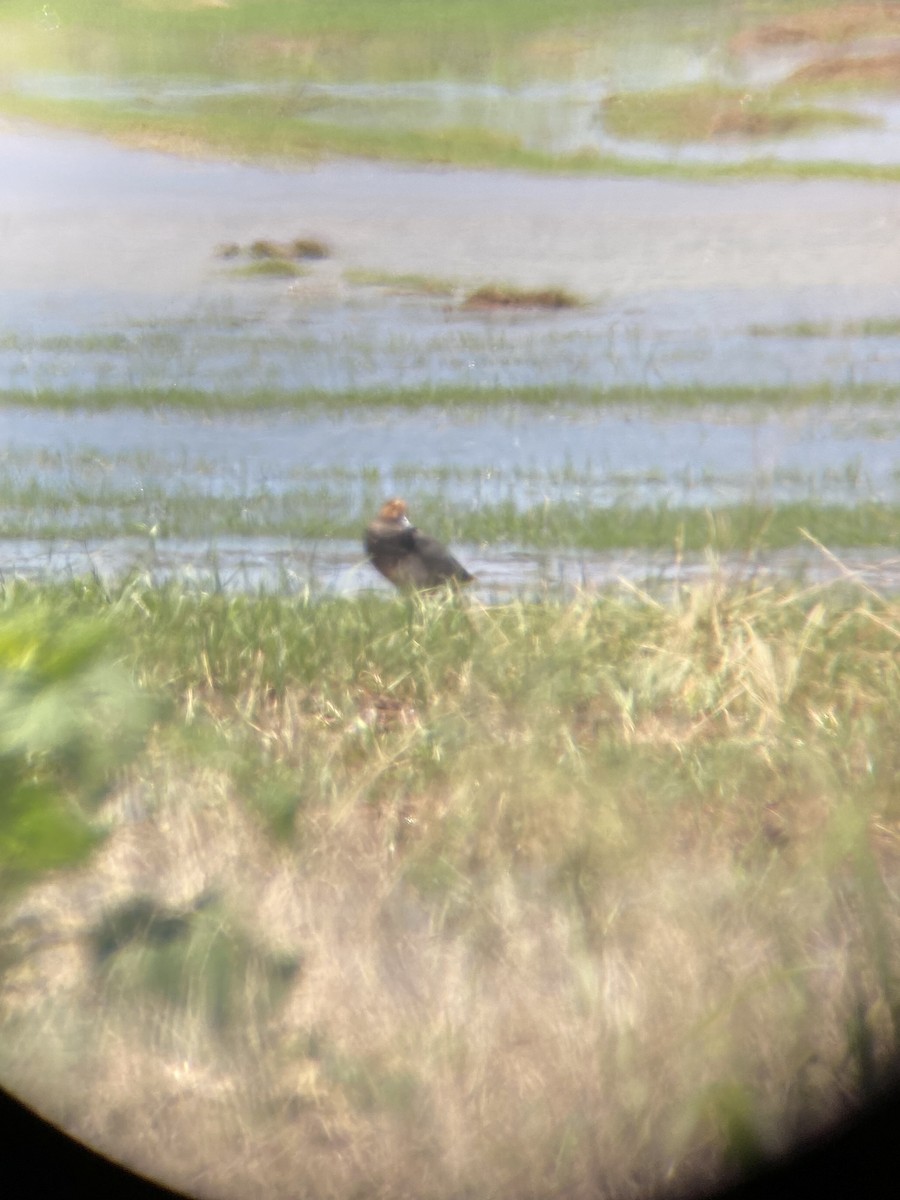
(112, 281)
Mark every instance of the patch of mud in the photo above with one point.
(842, 23)
(494, 296)
(872, 71)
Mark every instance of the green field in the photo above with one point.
(365, 38)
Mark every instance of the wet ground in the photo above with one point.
(112, 280)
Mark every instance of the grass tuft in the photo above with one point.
(269, 268)
(402, 283)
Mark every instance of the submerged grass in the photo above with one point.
(263, 268)
(587, 898)
(401, 282)
(87, 504)
(449, 397)
(868, 327)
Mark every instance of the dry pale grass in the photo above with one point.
(587, 900)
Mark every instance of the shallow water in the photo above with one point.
(502, 572)
(112, 280)
(346, 465)
(704, 458)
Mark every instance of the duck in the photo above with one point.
(410, 559)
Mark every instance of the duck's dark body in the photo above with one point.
(407, 557)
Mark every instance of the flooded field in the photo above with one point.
(116, 285)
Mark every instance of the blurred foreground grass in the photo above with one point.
(69, 719)
(585, 898)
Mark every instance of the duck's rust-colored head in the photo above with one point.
(394, 510)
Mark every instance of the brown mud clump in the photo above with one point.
(841, 24)
(863, 71)
(499, 296)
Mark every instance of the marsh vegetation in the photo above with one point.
(259, 81)
(709, 112)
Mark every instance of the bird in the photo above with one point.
(408, 558)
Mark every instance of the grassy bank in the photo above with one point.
(592, 898)
(263, 127)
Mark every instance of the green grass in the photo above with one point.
(422, 878)
(868, 327)
(252, 38)
(262, 127)
(402, 283)
(267, 268)
(795, 329)
(708, 111)
(452, 398)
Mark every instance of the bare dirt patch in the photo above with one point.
(865, 71)
(836, 25)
